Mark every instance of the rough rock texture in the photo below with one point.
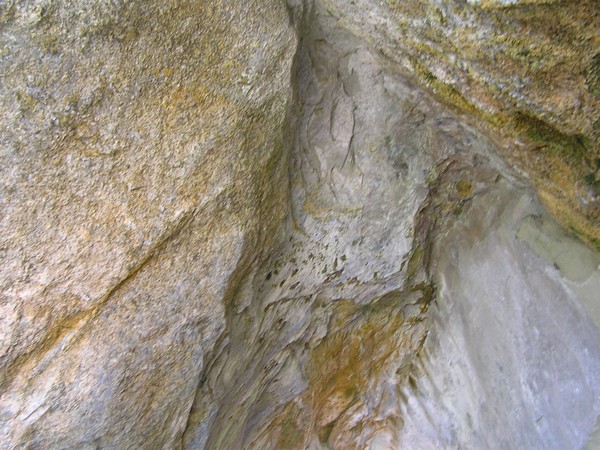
(142, 165)
(262, 225)
(528, 70)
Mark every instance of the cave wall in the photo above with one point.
(317, 224)
(142, 159)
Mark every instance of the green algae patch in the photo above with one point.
(572, 146)
(593, 76)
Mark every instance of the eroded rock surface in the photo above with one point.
(384, 179)
(142, 165)
(512, 358)
(527, 69)
(263, 225)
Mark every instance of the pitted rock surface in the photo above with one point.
(308, 224)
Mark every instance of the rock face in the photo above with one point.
(527, 69)
(142, 162)
(312, 225)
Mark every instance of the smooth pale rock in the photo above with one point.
(511, 360)
(578, 265)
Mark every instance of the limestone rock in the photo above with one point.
(391, 191)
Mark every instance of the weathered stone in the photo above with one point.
(308, 225)
(511, 360)
(142, 160)
(381, 173)
(527, 71)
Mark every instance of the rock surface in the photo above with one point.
(311, 225)
(512, 359)
(528, 70)
(142, 163)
